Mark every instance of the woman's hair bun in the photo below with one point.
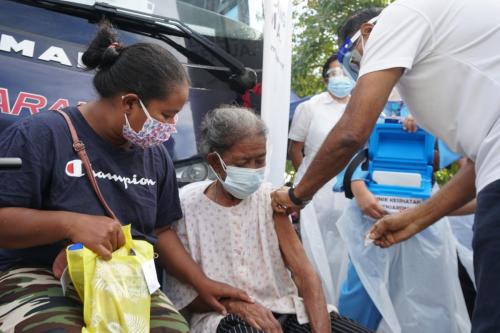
(146, 69)
(104, 49)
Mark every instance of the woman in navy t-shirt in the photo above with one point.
(50, 202)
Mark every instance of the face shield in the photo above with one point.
(335, 72)
(339, 84)
(349, 57)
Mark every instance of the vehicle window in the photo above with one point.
(241, 19)
(56, 25)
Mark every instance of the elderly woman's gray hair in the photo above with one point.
(225, 126)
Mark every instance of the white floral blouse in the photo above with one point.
(237, 245)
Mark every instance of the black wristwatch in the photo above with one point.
(295, 200)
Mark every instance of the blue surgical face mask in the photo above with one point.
(240, 182)
(340, 87)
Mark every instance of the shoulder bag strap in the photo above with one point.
(79, 148)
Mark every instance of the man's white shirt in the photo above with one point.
(450, 50)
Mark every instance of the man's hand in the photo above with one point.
(281, 201)
(256, 315)
(211, 292)
(392, 229)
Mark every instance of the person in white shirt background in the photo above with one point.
(311, 124)
(443, 55)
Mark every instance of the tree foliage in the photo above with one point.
(444, 175)
(315, 38)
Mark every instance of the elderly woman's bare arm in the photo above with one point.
(306, 279)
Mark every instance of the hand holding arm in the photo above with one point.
(256, 315)
(180, 264)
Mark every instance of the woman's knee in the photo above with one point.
(49, 317)
(169, 322)
(34, 302)
(164, 316)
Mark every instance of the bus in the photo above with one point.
(220, 43)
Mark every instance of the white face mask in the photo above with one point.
(240, 182)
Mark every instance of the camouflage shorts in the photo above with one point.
(32, 301)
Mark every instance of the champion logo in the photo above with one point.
(74, 168)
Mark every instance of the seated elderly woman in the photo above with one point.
(229, 228)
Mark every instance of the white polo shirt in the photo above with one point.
(451, 52)
(313, 120)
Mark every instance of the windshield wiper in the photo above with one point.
(162, 28)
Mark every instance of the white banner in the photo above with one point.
(276, 84)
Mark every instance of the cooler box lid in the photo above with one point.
(400, 163)
(391, 145)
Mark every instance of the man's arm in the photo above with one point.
(306, 279)
(351, 132)
(469, 208)
(396, 228)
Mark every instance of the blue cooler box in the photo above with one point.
(400, 166)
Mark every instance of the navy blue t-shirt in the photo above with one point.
(138, 184)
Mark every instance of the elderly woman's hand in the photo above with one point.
(255, 315)
(281, 201)
(212, 292)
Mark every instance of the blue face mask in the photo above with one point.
(240, 182)
(340, 86)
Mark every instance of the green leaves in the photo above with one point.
(315, 38)
(444, 175)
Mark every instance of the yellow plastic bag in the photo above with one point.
(114, 293)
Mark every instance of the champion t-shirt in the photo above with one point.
(138, 184)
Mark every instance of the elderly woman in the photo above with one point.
(229, 228)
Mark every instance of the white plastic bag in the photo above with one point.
(414, 284)
(462, 230)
